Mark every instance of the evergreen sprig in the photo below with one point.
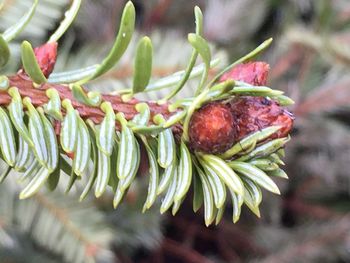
(46, 117)
(52, 227)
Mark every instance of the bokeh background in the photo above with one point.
(310, 61)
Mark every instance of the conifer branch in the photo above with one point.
(228, 139)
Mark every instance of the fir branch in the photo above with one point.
(59, 223)
(39, 98)
(108, 129)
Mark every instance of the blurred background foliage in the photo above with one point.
(310, 61)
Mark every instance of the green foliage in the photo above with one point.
(100, 144)
(143, 65)
(76, 139)
(11, 32)
(58, 223)
(67, 21)
(40, 22)
(54, 227)
(4, 51)
(30, 63)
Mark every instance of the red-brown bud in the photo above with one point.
(212, 128)
(254, 73)
(255, 113)
(216, 127)
(46, 56)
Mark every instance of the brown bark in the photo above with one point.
(38, 98)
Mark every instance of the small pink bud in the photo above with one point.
(254, 73)
(46, 56)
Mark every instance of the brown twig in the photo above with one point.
(158, 13)
(325, 99)
(226, 251)
(286, 61)
(186, 254)
(242, 241)
(38, 98)
(306, 186)
(222, 233)
(315, 211)
(305, 66)
(293, 253)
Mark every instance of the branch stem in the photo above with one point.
(38, 98)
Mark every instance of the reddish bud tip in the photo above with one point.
(254, 73)
(70, 155)
(215, 127)
(46, 56)
(255, 113)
